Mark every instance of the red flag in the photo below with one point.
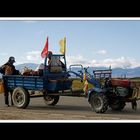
(45, 50)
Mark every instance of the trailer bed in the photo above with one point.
(36, 82)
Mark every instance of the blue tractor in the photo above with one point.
(108, 91)
(113, 92)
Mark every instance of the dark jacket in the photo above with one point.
(4, 67)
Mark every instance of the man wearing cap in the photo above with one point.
(8, 69)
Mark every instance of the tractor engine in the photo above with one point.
(121, 91)
(121, 86)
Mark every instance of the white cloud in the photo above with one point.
(77, 60)
(122, 62)
(102, 52)
(31, 57)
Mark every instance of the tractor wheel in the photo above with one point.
(117, 105)
(99, 103)
(20, 97)
(51, 99)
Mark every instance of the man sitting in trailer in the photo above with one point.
(54, 64)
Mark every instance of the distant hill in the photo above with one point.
(29, 65)
(116, 72)
(133, 72)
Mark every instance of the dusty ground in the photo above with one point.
(67, 109)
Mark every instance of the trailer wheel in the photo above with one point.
(99, 103)
(20, 97)
(51, 99)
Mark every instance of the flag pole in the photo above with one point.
(65, 51)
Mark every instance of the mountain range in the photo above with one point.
(28, 65)
(116, 72)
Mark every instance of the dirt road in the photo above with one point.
(68, 108)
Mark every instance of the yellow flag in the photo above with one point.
(62, 43)
(84, 77)
(85, 89)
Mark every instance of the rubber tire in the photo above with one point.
(24, 97)
(118, 106)
(99, 103)
(55, 99)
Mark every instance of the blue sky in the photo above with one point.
(89, 42)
